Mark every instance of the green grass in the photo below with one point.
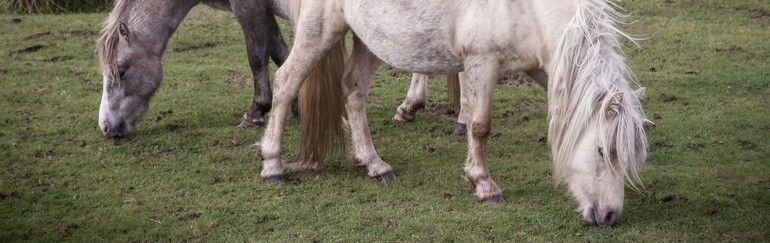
(191, 175)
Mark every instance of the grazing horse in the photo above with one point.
(135, 35)
(134, 38)
(595, 132)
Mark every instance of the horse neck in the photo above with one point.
(156, 21)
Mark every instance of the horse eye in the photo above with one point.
(122, 73)
(601, 152)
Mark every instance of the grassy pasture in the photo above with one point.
(187, 173)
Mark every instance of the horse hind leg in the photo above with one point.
(356, 83)
(415, 100)
(459, 103)
(278, 52)
(256, 24)
(481, 74)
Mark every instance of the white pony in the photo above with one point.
(595, 122)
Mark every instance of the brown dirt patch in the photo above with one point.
(519, 79)
(30, 49)
(203, 46)
(238, 80)
(38, 35)
(59, 59)
(443, 110)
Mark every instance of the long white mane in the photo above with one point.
(586, 73)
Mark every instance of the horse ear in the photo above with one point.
(639, 93)
(614, 104)
(123, 30)
(647, 124)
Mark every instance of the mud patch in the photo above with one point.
(695, 146)
(44, 154)
(732, 49)
(81, 33)
(177, 128)
(38, 35)
(59, 59)
(8, 197)
(237, 80)
(674, 198)
(40, 90)
(443, 110)
(668, 98)
(163, 114)
(519, 79)
(30, 49)
(203, 46)
(746, 145)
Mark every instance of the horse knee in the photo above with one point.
(480, 130)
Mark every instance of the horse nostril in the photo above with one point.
(610, 218)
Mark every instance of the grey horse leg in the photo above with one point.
(258, 26)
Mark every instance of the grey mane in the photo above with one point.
(108, 41)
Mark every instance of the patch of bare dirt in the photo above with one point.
(746, 145)
(81, 33)
(38, 35)
(519, 79)
(203, 46)
(30, 49)
(238, 80)
(8, 197)
(40, 90)
(674, 198)
(443, 110)
(177, 128)
(59, 59)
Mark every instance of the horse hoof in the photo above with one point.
(277, 179)
(460, 130)
(387, 176)
(400, 118)
(493, 200)
(246, 123)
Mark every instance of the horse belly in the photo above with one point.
(409, 35)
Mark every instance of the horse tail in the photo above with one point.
(453, 90)
(321, 105)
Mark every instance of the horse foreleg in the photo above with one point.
(256, 24)
(481, 73)
(416, 98)
(356, 83)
